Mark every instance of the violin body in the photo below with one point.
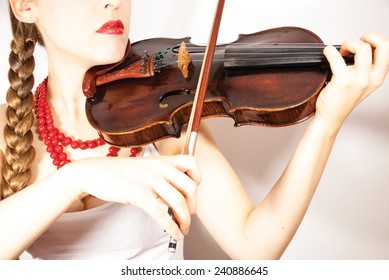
(138, 111)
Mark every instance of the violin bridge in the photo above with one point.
(184, 60)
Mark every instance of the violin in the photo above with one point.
(270, 78)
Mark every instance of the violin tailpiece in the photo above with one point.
(143, 68)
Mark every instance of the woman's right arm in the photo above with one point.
(149, 183)
(27, 214)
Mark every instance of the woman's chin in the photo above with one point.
(111, 54)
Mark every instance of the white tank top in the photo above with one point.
(109, 231)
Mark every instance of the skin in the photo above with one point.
(186, 184)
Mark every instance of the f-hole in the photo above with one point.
(164, 105)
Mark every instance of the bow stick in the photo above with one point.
(197, 107)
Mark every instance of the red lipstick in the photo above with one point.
(112, 27)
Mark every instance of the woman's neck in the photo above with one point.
(67, 100)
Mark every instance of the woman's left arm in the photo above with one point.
(264, 231)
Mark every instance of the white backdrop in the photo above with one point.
(349, 215)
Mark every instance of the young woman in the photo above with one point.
(95, 206)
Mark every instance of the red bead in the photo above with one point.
(83, 146)
(61, 136)
(49, 120)
(134, 151)
(74, 144)
(52, 134)
(92, 145)
(44, 135)
(54, 142)
(100, 142)
(57, 162)
(42, 128)
(62, 156)
(67, 141)
(58, 149)
(49, 127)
(41, 121)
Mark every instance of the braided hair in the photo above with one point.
(19, 152)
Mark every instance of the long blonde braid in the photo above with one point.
(19, 153)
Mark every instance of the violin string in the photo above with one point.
(267, 53)
(313, 51)
(268, 60)
(264, 47)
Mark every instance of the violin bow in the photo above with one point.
(197, 107)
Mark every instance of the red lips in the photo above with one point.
(112, 27)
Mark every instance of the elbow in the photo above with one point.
(256, 252)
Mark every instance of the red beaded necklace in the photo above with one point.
(54, 139)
